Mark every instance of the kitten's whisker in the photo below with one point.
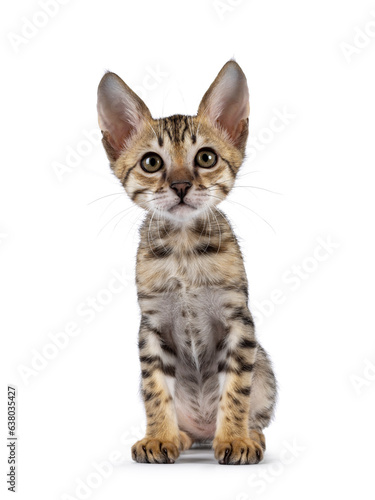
(238, 176)
(244, 206)
(204, 225)
(111, 219)
(118, 222)
(122, 218)
(228, 179)
(209, 230)
(106, 196)
(242, 174)
(164, 223)
(240, 185)
(257, 187)
(160, 238)
(109, 204)
(135, 221)
(152, 128)
(222, 215)
(217, 197)
(148, 233)
(218, 226)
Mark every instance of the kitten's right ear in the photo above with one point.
(121, 113)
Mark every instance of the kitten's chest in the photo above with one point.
(191, 322)
(178, 271)
(193, 316)
(185, 280)
(195, 322)
(192, 257)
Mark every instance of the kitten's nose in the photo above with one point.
(181, 188)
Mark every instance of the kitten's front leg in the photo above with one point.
(232, 443)
(163, 440)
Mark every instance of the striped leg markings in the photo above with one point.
(162, 442)
(233, 443)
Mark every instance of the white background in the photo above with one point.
(58, 250)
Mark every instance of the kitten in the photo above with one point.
(204, 375)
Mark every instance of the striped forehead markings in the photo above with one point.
(176, 127)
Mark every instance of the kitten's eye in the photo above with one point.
(151, 162)
(206, 158)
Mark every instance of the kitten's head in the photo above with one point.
(181, 165)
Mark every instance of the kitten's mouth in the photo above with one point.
(181, 208)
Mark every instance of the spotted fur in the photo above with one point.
(204, 374)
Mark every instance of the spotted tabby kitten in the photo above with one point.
(204, 375)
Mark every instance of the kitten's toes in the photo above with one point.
(238, 451)
(155, 451)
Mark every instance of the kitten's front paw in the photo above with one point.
(155, 451)
(238, 451)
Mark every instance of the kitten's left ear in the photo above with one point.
(226, 103)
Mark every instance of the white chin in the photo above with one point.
(182, 211)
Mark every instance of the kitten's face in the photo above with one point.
(179, 166)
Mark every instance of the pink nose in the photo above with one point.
(181, 188)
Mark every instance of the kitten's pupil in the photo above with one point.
(152, 162)
(205, 157)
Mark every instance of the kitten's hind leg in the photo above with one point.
(258, 436)
(185, 441)
(262, 398)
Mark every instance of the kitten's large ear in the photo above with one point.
(121, 113)
(226, 102)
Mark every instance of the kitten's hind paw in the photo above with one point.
(185, 441)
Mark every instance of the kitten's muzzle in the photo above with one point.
(181, 188)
